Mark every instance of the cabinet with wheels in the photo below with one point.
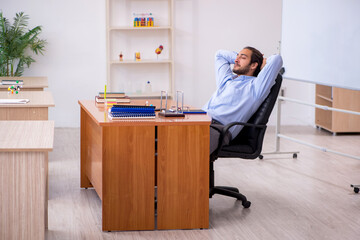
(133, 76)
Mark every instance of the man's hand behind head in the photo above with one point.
(263, 63)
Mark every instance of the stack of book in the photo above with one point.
(131, 111)
(112, 97)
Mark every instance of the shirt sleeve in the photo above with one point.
(223, 60)
(266, 78)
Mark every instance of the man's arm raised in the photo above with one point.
(223, 60)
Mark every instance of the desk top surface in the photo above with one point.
(37, 99)
(28, 82)
(20, 136)
(99, 114)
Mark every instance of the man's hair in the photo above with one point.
(256, 56)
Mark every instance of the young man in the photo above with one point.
(239, 95)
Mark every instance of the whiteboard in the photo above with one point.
(320, 42)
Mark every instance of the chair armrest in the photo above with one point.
(227, 127)
(217, 127)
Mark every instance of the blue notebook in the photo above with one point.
(131, 111)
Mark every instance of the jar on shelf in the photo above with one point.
(148, 88)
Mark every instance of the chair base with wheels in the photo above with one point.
(356, 188)
(226, 191)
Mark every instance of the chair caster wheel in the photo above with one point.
(356, 189)
(294, 155)
(261, 156)
(246, 204)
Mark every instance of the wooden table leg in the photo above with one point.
(128, 178)
(183, 177)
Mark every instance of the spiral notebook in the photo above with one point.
(131, 112)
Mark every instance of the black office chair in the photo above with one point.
(247, 144)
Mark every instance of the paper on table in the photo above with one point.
(14, 101)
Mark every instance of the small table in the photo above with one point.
(126, 161)
(29, 83)
(24, 147)
(36, 109)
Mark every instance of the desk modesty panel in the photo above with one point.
(24, 147)
(118, 160)
(35, 109)
(29, 83)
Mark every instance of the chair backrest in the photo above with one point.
(248, 143)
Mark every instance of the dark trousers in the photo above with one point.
(215, 128)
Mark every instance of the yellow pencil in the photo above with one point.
(105, 92)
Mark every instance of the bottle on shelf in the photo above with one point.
(148, 88)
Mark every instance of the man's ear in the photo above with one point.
(254, 65)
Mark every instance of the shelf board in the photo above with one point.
(144, 95)
(143, 61)
(325, 98)
(139, 28)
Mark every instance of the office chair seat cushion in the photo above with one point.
(231, 149)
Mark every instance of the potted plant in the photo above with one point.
(16, 44)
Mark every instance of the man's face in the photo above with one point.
(242, 62)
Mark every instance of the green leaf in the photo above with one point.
(16, 42)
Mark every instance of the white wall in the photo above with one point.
(204, 26)
(75, 62)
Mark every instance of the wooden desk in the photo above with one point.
(24, 147)
(29, 83)
(36, 109)
(118, 160)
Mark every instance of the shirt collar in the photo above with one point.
(242, 77)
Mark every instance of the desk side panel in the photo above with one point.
(91, 154)
(183, 177)
(23, 193)
(84, 180)
(23, 113)
(129, 169)
(348, 100)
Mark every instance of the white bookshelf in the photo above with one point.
(121, 36)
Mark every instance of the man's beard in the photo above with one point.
(242, 70)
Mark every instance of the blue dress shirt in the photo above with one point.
(237, 98)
